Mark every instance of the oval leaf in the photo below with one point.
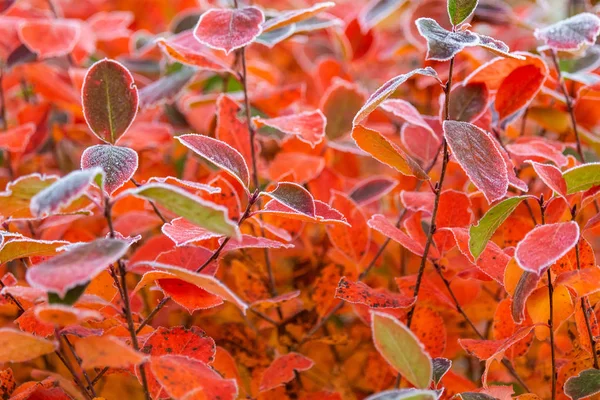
(218, 153)
(227, 30)
(110, 99)
(118, 163)
(401, 349)
(477, 154)
(17, 346)
(586, 384)
(545, 244)
(460, 10)
(571, 33)
(442, 44)
(295, 197)
(76, 266)
(582, 177)
(308, 126)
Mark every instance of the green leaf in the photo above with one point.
(481, 233)
(200, 212)
(460, 10)
(401, 349)
(405, 394)
(586, 384)
(582, 177)
(475, 396)
(70, 297)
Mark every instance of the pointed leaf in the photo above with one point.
(16, 139)
(218, 153)
(17, 346)
(585, 384)
(480, 234)
(63, 192)
(295, 197)
(545, 244)
(468, 102)
(205, 214)
(460, 10)
(118, 163)
(187, 50)
(386, 228)
(477, 154)
(372, 189)
(386, 90)
(286, 18)
(283, 369)
(386, 152)
(79, 264)
(582, 177)
(401, 349)
(518, 89)
(571, 33)
(22, 247)
(228, 30)
(440, 367)
(442, 44)
(551, 176)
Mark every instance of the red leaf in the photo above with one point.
(386, 228)
(282, 370)
(79, 264)
(16, 139)
(551, 176)
(110, 99)
(183, 232)
(518, 89)
(372, 189)
(545, 244)
(180, 341)
(324, 214)
(184, 378)
(360, 293)
(227, 30)
(406, 111)
(477, 154)
(118, 163)
(49, 38)
(353, 238)
(187, 50)
(218, 153)
(308, 126)
(468, 101)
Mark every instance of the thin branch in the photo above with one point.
(69, 367)
(570, 109)
(78, 360)
(481, 336)
(125, 297)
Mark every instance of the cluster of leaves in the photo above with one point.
(299, 200)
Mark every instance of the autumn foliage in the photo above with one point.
(281, 199)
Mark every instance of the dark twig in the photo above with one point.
(156, 210)
(78, 360)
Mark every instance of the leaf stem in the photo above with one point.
(154, 207)
(570, 109)
(78, 360)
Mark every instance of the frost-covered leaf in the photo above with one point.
(203, 213)
(460, 10)
(22, 247)
(286, 18)
(386, 152)
(545, 244)
(401, 349)
(440, 367)
(386, 90)
(585, 384)
(77, 265)
(442, 44)
(110, 99)
(218, 153)
(377, 11)
(571, 33)
(227, 29)
(386, 228)
(187, 50)
(551, 176)
(405, 394)
(64, 191)
(118, 163)
(308, 126)
(477, 154)
(295, 197)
